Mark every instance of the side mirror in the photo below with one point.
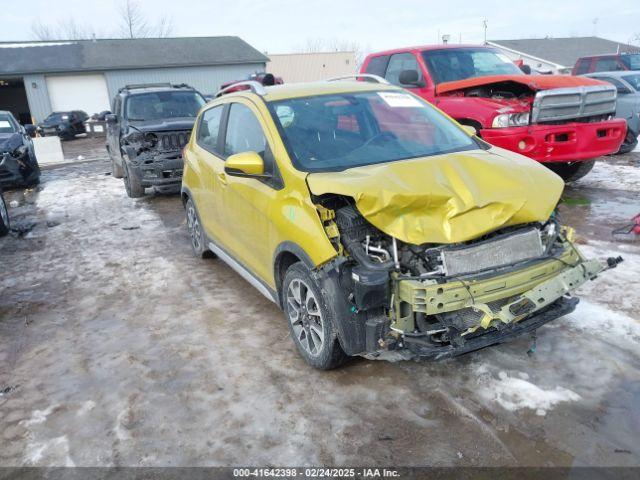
(30, 129)
(410, 77)
(470, 130)
(111, 118)
(245, 163)
(622, 90)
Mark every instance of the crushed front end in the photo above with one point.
(438, 301)
(157, 156)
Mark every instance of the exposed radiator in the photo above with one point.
(575, 102)
(496, 252)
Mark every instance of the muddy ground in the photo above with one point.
(118, 347)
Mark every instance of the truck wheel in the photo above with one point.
(132, 183)
(198, 240)
(116, 170)
(4, 217)
(310, 320)
(627, 147)
(571, 171)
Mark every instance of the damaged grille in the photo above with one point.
(173, 140)
(571, 103)
(494, 253)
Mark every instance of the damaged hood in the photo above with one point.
(9, 142)
(447, 198)
(185, 123)
(534, 82)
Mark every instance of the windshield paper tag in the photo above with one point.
(399, 99)
(4, 124)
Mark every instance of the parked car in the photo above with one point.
(5, 225)
(376, 223)
(18, 164)
(607, 63)
(150, 125)
(628, 104)
(482, 88)
(65, 125)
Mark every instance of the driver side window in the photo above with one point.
(244, 132)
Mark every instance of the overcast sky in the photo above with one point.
(279, 26)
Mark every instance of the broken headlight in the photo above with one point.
(505, 120)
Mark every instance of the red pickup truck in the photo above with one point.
(563, 121)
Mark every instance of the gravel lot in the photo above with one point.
(117, 347)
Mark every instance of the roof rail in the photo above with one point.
(153, 85)
(256, 87)
(369, 76)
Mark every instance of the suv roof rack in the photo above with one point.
(256, 87)
(154, 85)
(370, 76)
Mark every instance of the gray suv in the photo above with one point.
(150, 126)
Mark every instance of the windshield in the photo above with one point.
(336, 132)
(448, 65)
(57, 117)
(633, 80)
(161, 105)
(631, 61)
(7, 124)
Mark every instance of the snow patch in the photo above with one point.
(612, 176)
(38, 416)
(86, 407)
(56, 448)
(514, 394)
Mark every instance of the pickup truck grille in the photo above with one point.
(572, 103)
(174, 140)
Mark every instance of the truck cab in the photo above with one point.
(565, 122)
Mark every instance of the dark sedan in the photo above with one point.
(18, 164)
(65, 125)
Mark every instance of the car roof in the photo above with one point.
(431, 47)
(309, 89)
(614, 73)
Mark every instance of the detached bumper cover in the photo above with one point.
(567, 142)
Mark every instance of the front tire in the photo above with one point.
(571, 171)
(198, 240)
(132, 182)
(627, 147)
(310, 320)
(4, 217)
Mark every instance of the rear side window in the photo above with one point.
(400, 62)
(209, 128)
(378, 65)
(244, 132)
(607, 65)
(583, 66)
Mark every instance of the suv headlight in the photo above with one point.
(511, 120)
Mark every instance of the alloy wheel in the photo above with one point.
(194, 227)
(3, 212)
(305, 317)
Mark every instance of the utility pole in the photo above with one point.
(484, 25)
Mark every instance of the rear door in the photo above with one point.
(208, 161)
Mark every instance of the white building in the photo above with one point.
(307, 67)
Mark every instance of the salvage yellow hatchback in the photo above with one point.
(378, 224)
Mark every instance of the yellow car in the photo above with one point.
(379, 225)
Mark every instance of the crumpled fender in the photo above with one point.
(447, 198)
(534, 82)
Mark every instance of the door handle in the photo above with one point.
(222, 178)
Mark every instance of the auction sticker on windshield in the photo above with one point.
(399, 99)
(4, 124)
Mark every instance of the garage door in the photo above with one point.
(78, 92)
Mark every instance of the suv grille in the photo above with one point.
(571, 103)
(174, 140)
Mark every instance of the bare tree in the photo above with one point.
(41, 31)
(67, 29)
(134, 23)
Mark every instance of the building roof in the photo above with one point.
(111, 54)
(564, 51)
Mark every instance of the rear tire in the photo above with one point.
(310, 319)
(4, 217)
(132, 182)
(198, 239)
(571, 171)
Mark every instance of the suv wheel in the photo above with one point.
(4, 217)
(198, 242)
(310, 321)
(571, 171)
(132, 182)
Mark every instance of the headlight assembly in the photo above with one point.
(511, 120)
